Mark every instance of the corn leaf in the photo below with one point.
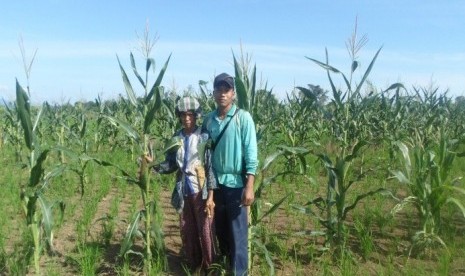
(269, 159)
(405, 153)
(154, 107)
(134, 69)
(131, 132)
(38, 170)
(261, 248)
(367, 72)
(457, 203)
(273, 209)
(127, 85)
(240, 89)
(158, 80)
(24, 113)
(131, 232)
(47, 219)
(401, 177)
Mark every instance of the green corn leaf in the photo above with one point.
(240, 89)
(336, 95)
(324, 65)
(330, 68)
(396, 85)
(154, 107)
(38, 170)
(241, 92)
(56, 171)
(127, 85)
(131, 132)
(265, 253)
(272, 209)
(271, 179)
(294, 150)
(355, 149)
(405, 153)
(252, 84)
(83, 127)
(47, 219)
(39, 114)
(360, 197)
(24, 113)
(367, 72)
(456, 190)
(399, 206)
(158, 80)
(31, 209)
(270, 159)
(457, 203)
(149, 63)
(355, 65)
(401, 177)
(131, 232)
(173, 144)
(134, 69)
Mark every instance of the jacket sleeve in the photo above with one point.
(168, 166)
(249, 143)
(210, 173)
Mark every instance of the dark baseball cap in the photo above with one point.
(223, 78)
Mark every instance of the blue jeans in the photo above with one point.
(231, 225)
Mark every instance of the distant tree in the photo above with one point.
(460, 100)
(315, 93)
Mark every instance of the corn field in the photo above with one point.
(357, 180)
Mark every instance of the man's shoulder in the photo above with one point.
(244, 115)
(207, 119)
(210, 114)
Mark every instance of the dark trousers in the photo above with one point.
(232, 228)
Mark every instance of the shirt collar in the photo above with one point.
(230, 112)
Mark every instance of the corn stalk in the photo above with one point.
(426, 173)
(37, 208)
(257, 236)
(349, 114)
(138, 131)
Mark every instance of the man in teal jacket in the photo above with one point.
(234, 161)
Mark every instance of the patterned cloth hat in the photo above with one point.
(188, 104)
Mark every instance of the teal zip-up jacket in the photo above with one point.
(236, 151)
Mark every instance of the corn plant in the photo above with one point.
(258, 238)
(80, 158)
(258, 102)
(350, 112)
(427, 175)
(12, 130)
(138, 131)
(37, 208)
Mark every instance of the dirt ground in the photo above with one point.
(66, 237)
(384, 255)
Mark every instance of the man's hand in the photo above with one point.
(248, 196)
(148, 159)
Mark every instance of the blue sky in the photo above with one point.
(423, 43)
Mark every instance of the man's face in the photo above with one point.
(187, 119)
(224, 95)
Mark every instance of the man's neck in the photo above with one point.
(222, 111)
(189, 131)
